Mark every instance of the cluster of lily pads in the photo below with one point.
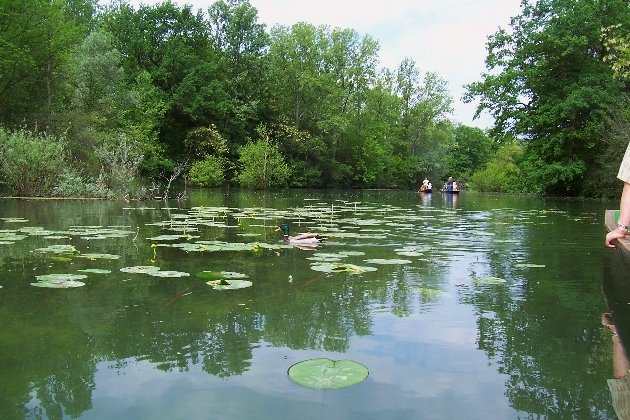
(342, 222)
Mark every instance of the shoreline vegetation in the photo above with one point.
(121, 102)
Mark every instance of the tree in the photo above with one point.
(35, 40)
(241, 43)
(471, 151)
(547, 84)
(261, 163)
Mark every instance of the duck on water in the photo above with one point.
(302, 239)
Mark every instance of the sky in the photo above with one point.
(447, 37)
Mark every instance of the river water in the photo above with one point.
(476, 306)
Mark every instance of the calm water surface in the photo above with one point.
(439, 342)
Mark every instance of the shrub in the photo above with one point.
(208, 172)
(30, 162)
(72, 184)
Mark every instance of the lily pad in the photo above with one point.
(526, 265)
(59, 281)
(140, 269)
(95, 271)
(327, 373)
(100, 256)
(14, 219)
(387, 261)
(218, 275)
(342, 268)
(167, 273)
(224, 284)
(59, 249)
(489, 280)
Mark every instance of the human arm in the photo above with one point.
(624, 217)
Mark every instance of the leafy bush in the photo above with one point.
(262, 165)
(30, 162)
(208, 172)
(501, 174)
(121, 162)
(72, 184)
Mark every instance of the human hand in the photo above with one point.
(607, 319)
(613, 235)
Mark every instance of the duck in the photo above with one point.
(302, 239)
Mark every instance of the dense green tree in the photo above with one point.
(547, 84)
(471, 151)
(172, 46)
(35, 41)
(261, 163)
(502, 173)
(241, 43)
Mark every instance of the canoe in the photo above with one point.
(610, 221)
(428, 190)
(450, 192)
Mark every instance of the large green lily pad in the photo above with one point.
(327, 373)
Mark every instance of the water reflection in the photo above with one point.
(425, 199)
(429, 332)
(450, 200)
(616, 288)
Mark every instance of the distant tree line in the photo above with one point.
(111, 101)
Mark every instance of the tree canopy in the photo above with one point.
(151, 79)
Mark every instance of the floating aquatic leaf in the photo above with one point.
(56, 237)
(140, 269)
(14, 219)
(61, 259)
(525, 265)
(325, 258)
(51, 277)
(218, 275)
(168, 237)
(11, 236)
(229, 284)
(59, 284)
(342, 268)
(387, 261)
(59, 249)
(59, 281)
(95, 271)
(94, 256)
(489, 280)
(328, 374)
(352, 253)
(168, 273)
(410, 253)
